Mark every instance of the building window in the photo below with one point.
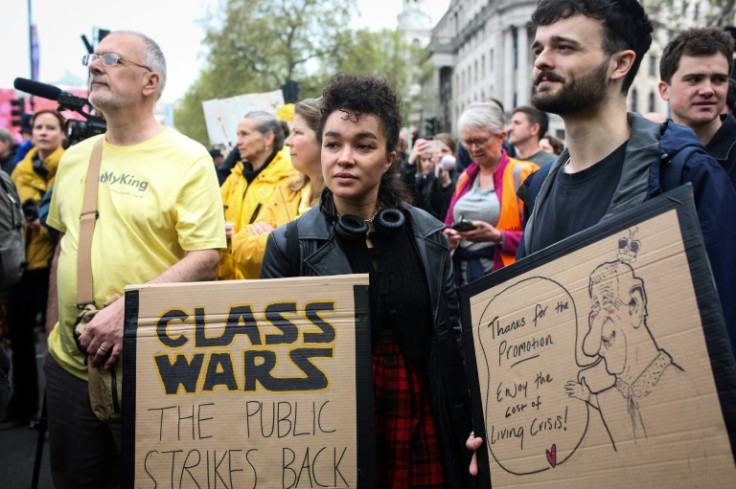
(491, 61)
(483, 65)
(652, 101)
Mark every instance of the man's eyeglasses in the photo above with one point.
(109, 59)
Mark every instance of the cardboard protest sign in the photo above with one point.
(604, 359)
(223, 114)
(262, 383)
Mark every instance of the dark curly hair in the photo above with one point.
(625, 25)
(356, 94)
(363, 94)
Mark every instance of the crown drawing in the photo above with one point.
(628, 247)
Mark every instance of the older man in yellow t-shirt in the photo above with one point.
(160, 220)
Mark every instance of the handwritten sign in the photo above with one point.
(248, 384)
(533, 425)
(590, 360)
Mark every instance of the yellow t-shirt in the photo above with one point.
(156, 200)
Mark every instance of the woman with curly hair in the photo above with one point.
(363, 225)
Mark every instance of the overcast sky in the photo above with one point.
(173, 24)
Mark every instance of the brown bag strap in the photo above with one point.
(85, 290)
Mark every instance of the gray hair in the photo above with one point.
(6, 136)
(266, 122)
(483, 115)
(153, 58)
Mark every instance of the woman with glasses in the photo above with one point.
(484, 221)
(265, 164)
(363, 225)
(292, 198)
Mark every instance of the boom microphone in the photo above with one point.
(66, 100)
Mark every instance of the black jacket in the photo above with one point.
(320, 254)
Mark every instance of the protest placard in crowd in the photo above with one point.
(248, 383)
(604, 359)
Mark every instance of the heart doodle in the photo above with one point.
(552, 455)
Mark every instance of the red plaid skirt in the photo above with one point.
(407, 451)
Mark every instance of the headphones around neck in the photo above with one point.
(354, 228)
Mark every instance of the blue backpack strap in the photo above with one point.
(672, 170)
(671, 166)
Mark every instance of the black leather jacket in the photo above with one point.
(320, 254)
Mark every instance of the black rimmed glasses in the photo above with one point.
(479, 142)
(109, 59)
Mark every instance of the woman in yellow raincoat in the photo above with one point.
(292, 198)
(264, 165)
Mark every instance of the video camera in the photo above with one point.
(76, 130)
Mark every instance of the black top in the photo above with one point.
(578, 200)
(432, 196)
(398, 291)
(223, 171)
(250, 174)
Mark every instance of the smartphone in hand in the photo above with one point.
(434, 146)
(463, 225)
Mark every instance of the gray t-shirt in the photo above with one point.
(541, 157)
(478, 204)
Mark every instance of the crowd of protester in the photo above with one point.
(447, 211)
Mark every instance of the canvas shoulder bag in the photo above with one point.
(105, 386)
